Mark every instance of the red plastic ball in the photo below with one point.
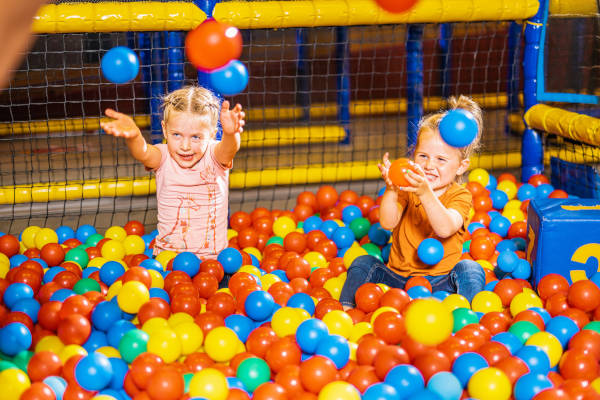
(134, 228)
(212, 44)
(584, 295)
(327, 196)
(42, 365)
(9, 245)
(316, 372)
(368, 296)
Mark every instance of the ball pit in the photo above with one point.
(86, 314)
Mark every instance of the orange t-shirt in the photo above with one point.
(414, 227)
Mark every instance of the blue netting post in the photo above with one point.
(532, 151)
(445, 65)
(208, 6)
(514, 49)
(157, 89)
(145, 61)
(343, 79)
(414, 82)
(175, 61)
(302, 73)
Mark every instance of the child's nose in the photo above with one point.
(186, 144)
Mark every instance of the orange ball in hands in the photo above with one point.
(397, 171)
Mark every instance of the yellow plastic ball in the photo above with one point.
(49, 343)
(45, 236)
(28, 236)
(596, 385)
(157, 280)
(359, 330)
(549, 343)
(134, 244)
(210, 384)
(383, 287)
(514, 215)
(338, 322)
(334, 287)
(486, 264)
(253, 251)
(113, 250)
(114, 290)
(190, 336)
(353, 347)
(221, 343)
(428, 321)
(283, 225)
(455, 300)
(250, 269)
(285, 321)
(339, 390)
(97, 262)
(69, 351)
(524, 301)
(486, 301)
(132, 297)
(316, 259)
(116, 233)
(4, 265)
(513, 204)
(103, 397)
(164, 257)
(231, 233)
(155, 324)
(13, 382)
(479, 175)
(179, 318)
(108, 351)
(490, 384)
(351, 254)
(267, 280)
(165, 344)
(508, 187)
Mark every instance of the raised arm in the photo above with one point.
(390, 212)
(123, 126)
(232, 122)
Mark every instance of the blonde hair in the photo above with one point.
(192, 99)
(466, 103)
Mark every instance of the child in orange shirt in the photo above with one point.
(434, 206)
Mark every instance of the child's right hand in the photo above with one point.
(384, 168)
(121, 126)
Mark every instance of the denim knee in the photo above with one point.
(469, 278)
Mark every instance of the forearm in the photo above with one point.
(389, 211)
(443, 221)
(138, 148)
(228, 148)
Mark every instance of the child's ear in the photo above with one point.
(164, 128)
(463, 167)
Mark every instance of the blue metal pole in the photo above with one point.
(208, 6)
(343, 79)
(514, 49)
(302, 73)
(445, 65)
(532, 152)
(175, 61)
(145, 60)
(156, 86)
(414, 82)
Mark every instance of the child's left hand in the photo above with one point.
(232, 121)
(418, 181)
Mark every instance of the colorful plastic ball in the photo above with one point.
(508, 187)
(549, 343)
(531, 384)
(360, 227)
(259, 305)
(221, 344)
(15, 292)
(543, 191)
(165, 344)
(231, 79)
(208, 383)
(230, 259)
(446, 385)
(486, 301)
(132, 344)
(57, 385)
(336, 348)
(428, 321)
(343, 237)
(30, 307)
(499, 199)
(463, 317)
(283, 225)
(458, 128)
(212, 44)
(105, 314)
(407, 379)
(187, 262)
(13, 382)
(466, 365)
(14, 338)
(507, 261)
(110, 272)
(526, 192)
(253, 372)
(132, 296)
(93, 372)
(350, 213)
(490, 383)
(120, 65)
(78, 256)
(340, 390)
(430, 251)
(522, 270)
(499, 225)
(310, 333)
(378, 235)
(397, 171)
(64, 233)
(536, 358)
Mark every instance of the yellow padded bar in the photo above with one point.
(158, 16)
(573, 8)
(579, 127)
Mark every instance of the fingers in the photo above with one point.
(225, 105)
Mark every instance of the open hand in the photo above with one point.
(121, 125)
(418, 180)
(232, 121)
(384, 168)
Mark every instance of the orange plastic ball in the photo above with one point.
(327, 196)
(212, 44)
(397, 172)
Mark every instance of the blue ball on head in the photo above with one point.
(458, 128)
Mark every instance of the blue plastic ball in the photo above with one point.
(499, 199)
(309, 333)
(93, 372)
(543, 190)
(542, 313)
(230, 79)
(492, 183)
(446, 385)
(231, 260)
(110, 272)
(528, 385)
(187, 262)
(312, 223)
(160, 293)
(343, 237)
(51, 273)
(458, 128)
(523, 270)
(440, 294)
(563, 328)
(259, 305)
(28, 306)
(378, 235)
(380, 391)
(536, 359)
(120, 369)
(406, 378)
(500, 225)
(105, 314)
(57, 384)
(14, 338)
(62, 294)
(96, 340)
(385, 252)
(473, 226)
(506, 245)
(17, 260)
(336, 348)
(152, 263)
(15, 292)
(418, 292)
(303, 301)
(120, 65)
(64, 233)
(430, 251)
(117, 331)
(526, 192)
(84, 232)
(328, 227)
(512, 343)
(350, 213)
(507, 261)
(240, 324)
(466, 365)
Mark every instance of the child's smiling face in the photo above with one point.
(187, 135)
(441, 162)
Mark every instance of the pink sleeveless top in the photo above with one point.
(192, 205)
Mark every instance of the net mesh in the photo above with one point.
(294, 76)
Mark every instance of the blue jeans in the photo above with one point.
(467, 278)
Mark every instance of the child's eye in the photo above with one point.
(442, 160)
(196, 138)
(176, 135)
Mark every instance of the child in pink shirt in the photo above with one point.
(192, 168)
